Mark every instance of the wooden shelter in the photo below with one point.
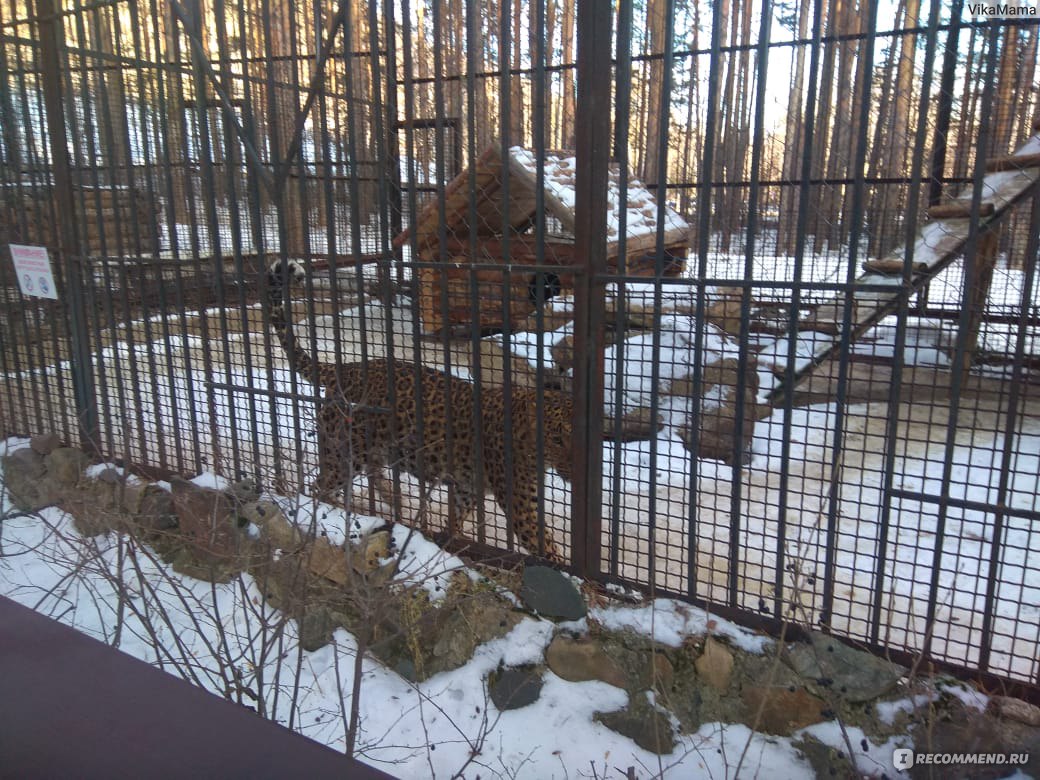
(503, 235)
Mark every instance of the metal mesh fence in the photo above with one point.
(690, 308)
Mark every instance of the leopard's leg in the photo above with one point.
(464, 501)
(526, 526)
(384, 488)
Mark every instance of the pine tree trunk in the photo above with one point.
(568, 75)
(657, 107)
(794, 143)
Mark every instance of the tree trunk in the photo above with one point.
(657, 104)
(516, 82)
(794, 143)
(281, 108)
(893, 199)
(567, 75)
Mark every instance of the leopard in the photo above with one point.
(379, 413)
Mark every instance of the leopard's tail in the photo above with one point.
(278, 273)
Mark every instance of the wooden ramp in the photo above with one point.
(885, 283)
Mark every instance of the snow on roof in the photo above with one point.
(642, 208)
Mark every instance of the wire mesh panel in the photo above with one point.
(727, 301)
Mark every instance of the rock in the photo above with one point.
(155, 510)
(28, 461)
(184, 563)
(24, 478)
(825, 760)
(781, 711)
(370, 554)
(635, 425)
(648, 728)
(130, 501)
(316, 628)
(492, 359)
(88, 518)
(552, 594)
(268, 517)
(717, 420)
(45, 443)
(715, 665)
(956, 728)
(111, 476)
(406, 668)
(65, 465)
(465, 625)
(207, 521)
(663, 672)
(852, 674)
(245, 491)
(511, 689)
(329, 561)
(724, 313)
(1015, 709)
(645, 666)
(581, 660)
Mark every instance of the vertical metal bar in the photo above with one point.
(841, 395)
(473, 39)
(704, 206)
(51, 33)
(960, 355)
(662, 196)
(592, 141)
(1016, 397)
(622, 128)
(796, 293)
(736, 484)
(208, 195)
(382, 210)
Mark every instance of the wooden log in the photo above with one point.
(959, 210)
(892, 267)
(1014, 162)
(982, 276)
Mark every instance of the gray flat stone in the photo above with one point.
(854, 675)
(552, 594)
(45, 443)
(66, 464)
(511, 689)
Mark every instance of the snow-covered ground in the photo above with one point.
(226, 639)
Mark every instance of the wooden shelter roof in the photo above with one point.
(492, 213)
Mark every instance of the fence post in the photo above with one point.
(51, 33)
(592, 142)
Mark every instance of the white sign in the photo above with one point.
(32, 265)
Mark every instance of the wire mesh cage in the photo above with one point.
(729, 304)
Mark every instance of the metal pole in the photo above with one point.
(51, 34)
(593, 143)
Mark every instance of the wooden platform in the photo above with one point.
(939, 242)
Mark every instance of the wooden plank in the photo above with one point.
(892, 266)
(959, 210)
(647, 242)
(456, 198)
(937, 244)
(1014, 162)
